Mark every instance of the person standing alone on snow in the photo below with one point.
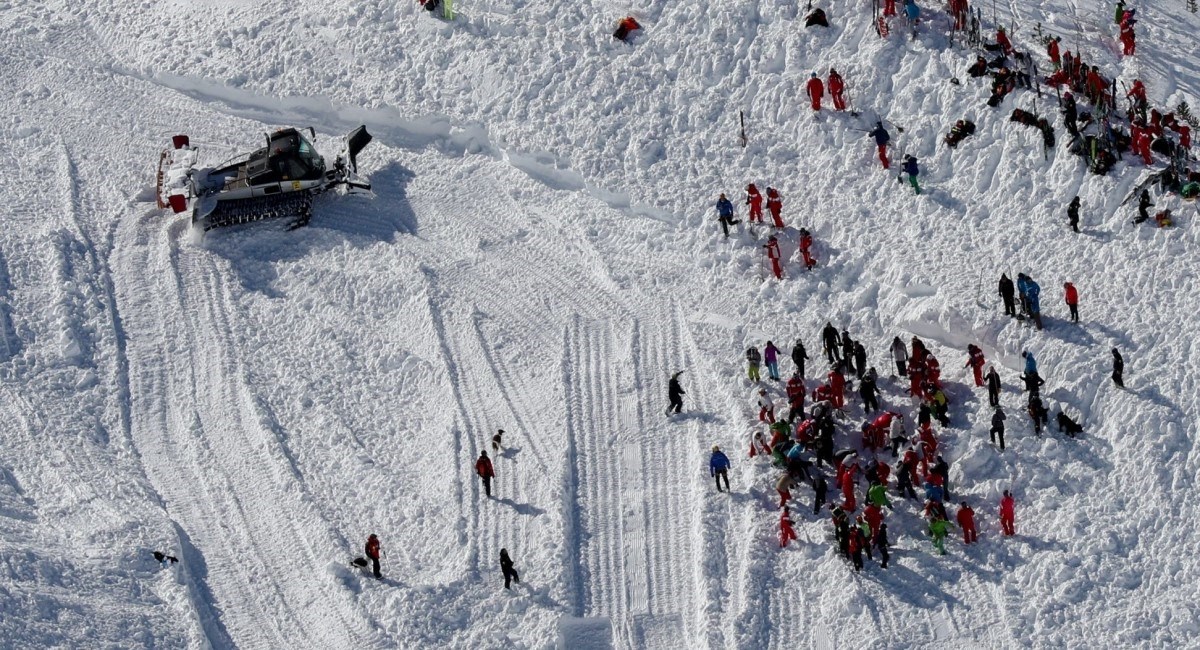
(771, 356)
(1071, 295)
(675, 394)
(753, 361)
(1073, 214)
(1008, 514)
(799, 355)
(372, 551)
(1118, 373)
(836, 89)
(718, 467)
(998, 426)
(815, 90)
(910, 168)
(725, 214)
(483, 467)
(773, 254)
(506, 567)
(975, 361)
(882, 138)
(993, 384)
(806, 242)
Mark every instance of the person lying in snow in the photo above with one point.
(1067, 425)
(959, 131)
(625, 28)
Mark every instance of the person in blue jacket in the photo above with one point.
(882, 138)
(1034, 295)
(912, 11)
(910, 168)
(718, 467)
(1030, 363)
(725, 214)
(1023, 291)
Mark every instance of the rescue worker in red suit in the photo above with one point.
(483, 467)
(786, 532)
(837, 88)
(850, 504)
(775, 206)
(1141, 145)
(773, 254)
(837, 383)
(1052, 52)
(372, 551)
(874, 516)
(1002, 41)
(816, 90)
(806, 242)
(755, 201)
(975, 360)
(1007, 514)
(966, 521)
(795, 395)
(889, 7)
(1138, 94)
(784, 488)
(1127, 37)
(1072, 298)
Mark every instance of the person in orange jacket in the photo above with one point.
(372, 551)
(774, 255)
(755, 200)
(483, 467)
(786, 532)
(837, 89)
(1072, 298)
(1007, 514)
(775, 206)
(966, 521)
(816, 90)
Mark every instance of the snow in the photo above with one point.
(540, 255)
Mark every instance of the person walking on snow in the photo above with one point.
(975, 361)
(799, 356)
(966, 521)
(815, 90)
(1144, 206)
(806, 242)
(755, 201)
(1007, 294)
(675, 394)
(725, 214)
(997, 429)
(773, 254)
(507, 568)
(753, 360)
(882, 138)
(1073, 214)
(372, 551)
(771, 356)
(1128, 40)
(836, 89)
(910, 168)
(1007, 514)
(1071, 295)
(993, 385)
(832, 342)
(786, 532)
(483, 467)
(1118, 373)
(775, 206)
(869, 392)
(718, 467)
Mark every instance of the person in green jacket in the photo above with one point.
(1119, 12)
(877, 494)
(938, 529)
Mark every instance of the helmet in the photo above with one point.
(814, 75)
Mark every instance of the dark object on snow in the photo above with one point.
(498, 440)
(675, 394)
(360, 562)
(959, 131)
(816, 18)
(1067, 425)
(1024, 117)
(625, 28)
(1118, 373)
(164, 559)
(506, 567)
(979, 68)
(430, 5)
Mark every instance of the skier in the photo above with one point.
(799, 355)
(869, 392)
(815, 90)
(1006, 294)
(775, 206)
(806, 242)
(882, 138)
(718, 467)
(975, 361)
(1073, 214)
(998, 426)
(881, 542)
(755, 201)
(771, 356)
(820, 490)
(675, 394)
(372, 551)
(966, 521)
(483, 467)
(773, 254)
(1072, 298)
(766, 407)
(753, 360)
(506, 567)
(860, 359)
(836, 89)
(725, 214)
(786, 532)
(1118, 371)
(1007, 514)
(900, 354)
(1144, 206)
(910, 168)
(832, 342)
(938, 529)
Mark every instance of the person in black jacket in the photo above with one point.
(869, 391)
(1070, 114)
(880, 540)
(832, 342)
(993, 386)
(1118, 369)
(1144, 206)
(675, 394)
(860, 359)
(799, 355)
(820, 490)
(1073, 214)
(848, 352)
(942, 468)
(506, 567)
(1033, 383)
(1007, 293)
(998, 426)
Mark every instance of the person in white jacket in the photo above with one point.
(900, 354)
(766, 407)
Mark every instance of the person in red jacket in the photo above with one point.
(837, 88)
(755, 201)
(1052, 52)
(483, 467)
(874, 516)
(958, 8)
(1003, 42)
(1072, 297)
(816, 90)
(1127, 37)
(889, 7)
(806, 242)
(773, 254)
(1138, 94)
(1007, 514)
(975, 360)
(966, 521)
(775, 206)
(372, 551)
(786, 532)
(850, 504)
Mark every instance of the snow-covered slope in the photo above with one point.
(539, 256)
